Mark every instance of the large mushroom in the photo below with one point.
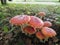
(20, 19)
(40, 36)
(47, 24)
(36, 22)
(29, 30)
(48, 32)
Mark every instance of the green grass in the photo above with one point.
(30, 9)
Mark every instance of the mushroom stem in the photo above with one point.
(50, 42)
(42, 41)
(55, 39)
(22, 28)
(46, 39)
(37, 29)
(35, 14)
(41, 17)
(26, 34)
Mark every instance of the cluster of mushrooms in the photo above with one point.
(34, 25)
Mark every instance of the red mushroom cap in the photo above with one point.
(19, 19)
(42, 13)
(47, 24)
(40, 35)
(36, 22)
(48, 32)
(30, 30)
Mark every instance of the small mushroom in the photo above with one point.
(20, 19)
(48, 32)
(42, 14)
(40, 36)
(47, 24)
(36, 22)
(29, 30)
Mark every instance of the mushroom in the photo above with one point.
(29, 30)
(20, 19)
(36, 22)
(40, 36)
(48, 32)
(42, 14)
(47, 24)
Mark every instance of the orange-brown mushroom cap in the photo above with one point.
(42, 14)
(36, 22)
(48, 32)
(39, 35)
(19, 19)
(47, 24)
(30, 30)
